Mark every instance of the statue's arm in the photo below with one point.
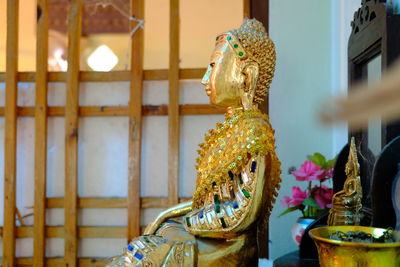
(241, 210)
(346, 195)
(175, 211)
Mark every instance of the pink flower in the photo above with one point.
(323, 196)
(309, 171)
(329, 173)
(286, 201)
(298, 196)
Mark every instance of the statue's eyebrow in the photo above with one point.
(215, 56)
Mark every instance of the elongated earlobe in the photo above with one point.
(250, 72)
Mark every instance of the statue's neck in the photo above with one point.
(232, 110)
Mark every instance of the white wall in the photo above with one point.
(311, 41)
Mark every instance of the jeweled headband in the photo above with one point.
(234, 43)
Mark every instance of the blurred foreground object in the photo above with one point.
(362, 104)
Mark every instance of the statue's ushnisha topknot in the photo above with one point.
(259, 48)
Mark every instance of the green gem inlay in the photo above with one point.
(146, 239)
(216, 199)
(240, 180)
(223, 223)
(188, 221)
(229, 38)
(217, 208)
(245, 193)
(240, 53)
(217, 38)
(235, 45)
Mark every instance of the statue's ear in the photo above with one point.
(250, 72)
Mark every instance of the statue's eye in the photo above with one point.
(212, 64)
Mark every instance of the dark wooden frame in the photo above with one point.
(259, 9)
(375, 31)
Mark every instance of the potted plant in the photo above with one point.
(316, 198)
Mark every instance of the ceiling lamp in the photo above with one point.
(102, 59)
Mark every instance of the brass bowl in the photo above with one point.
(334, 253)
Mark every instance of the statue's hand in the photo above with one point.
(175, 211)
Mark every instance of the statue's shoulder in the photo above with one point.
(257, 129)
(256, 123)
(255, 119)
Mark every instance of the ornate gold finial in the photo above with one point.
(258, 47)
(352, 166)
(346, 204)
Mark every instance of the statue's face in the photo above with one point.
(224, 80)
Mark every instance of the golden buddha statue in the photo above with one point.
(346, 204)
(238, 170)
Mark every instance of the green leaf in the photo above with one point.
(310, 202)
(320, 156)
(318, 159)
(288, 210)
(330, 163)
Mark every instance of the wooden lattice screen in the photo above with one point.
(72, 111)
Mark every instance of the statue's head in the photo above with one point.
(352, 169)
(242, 66)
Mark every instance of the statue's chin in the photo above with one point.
(225, 103)
(219, 104)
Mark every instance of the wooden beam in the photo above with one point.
(112, 76)
(10, 145)
(59, 262)
(93, 232)
(135, 122)
(90, 203)
(173, 107)
(83, 231)
(185, 74)
(39, 245)
(115, 111)
(109, 203)
(71, 134)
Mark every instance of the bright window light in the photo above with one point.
(56, 61)
(102, 59)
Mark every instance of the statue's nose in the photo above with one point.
(206, 78)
